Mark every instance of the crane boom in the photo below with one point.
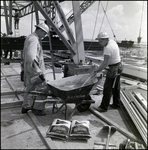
(83, 7)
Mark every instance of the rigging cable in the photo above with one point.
(94, 25)
(103, 16)
(141, 19)
(109, 22)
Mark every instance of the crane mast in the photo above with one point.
(48, 10)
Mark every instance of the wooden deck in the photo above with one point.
(25, 131)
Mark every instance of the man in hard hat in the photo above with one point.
(34, 71)
(112, 60)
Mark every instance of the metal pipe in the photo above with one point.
(31, 22)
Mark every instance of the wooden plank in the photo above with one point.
(132, 87)
(42, 132)
(18, 60)
(130, 82)
(11, 104)
(135, 71)
(8, 70)
(40, 129)
(110, 122)
(11, 84)
(5, 76)
(8, 93)
(13, 88)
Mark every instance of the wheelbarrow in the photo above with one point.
(73, 89)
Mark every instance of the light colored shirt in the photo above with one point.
(32, 51)
(113, 51)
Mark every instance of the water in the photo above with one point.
(136, 55)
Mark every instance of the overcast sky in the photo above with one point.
(124, 18)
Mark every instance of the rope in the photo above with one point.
(109, 22)
(94, 25)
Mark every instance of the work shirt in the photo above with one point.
(32, 53)
(113, 51)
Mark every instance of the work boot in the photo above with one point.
(39, 112)
(100, 109)
(7, 63)
(25, 110)
(114, 106)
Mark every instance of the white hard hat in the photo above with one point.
(43, 26)
(102, 35)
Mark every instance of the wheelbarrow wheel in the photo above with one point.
(121, 146)
(83, 107)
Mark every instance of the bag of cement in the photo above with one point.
(79, 130)
(59, 129)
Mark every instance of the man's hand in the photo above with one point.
(93, 73)
(42, 77)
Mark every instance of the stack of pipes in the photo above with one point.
(136, 107)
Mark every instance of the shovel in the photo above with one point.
(110, 129)
(84, 80)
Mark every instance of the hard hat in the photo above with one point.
(102, 35)
(43, 26)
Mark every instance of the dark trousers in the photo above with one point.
(109, 91)
(65, 70)
(6, 53)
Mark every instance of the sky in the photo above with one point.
(123, 19)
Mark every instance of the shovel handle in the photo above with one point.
(86, 81)
(108, 138)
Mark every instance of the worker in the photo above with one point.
(90, 62)
(16, 19)
(34, 71)
(3, 51)
(8, 51)
(112, 60)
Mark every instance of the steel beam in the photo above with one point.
(83, 7)
(37, 16)
(6, 16)
(64, 21)
(68, 30)
(49, 21)
(27, 10)
(10, 15)
(78, 32)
